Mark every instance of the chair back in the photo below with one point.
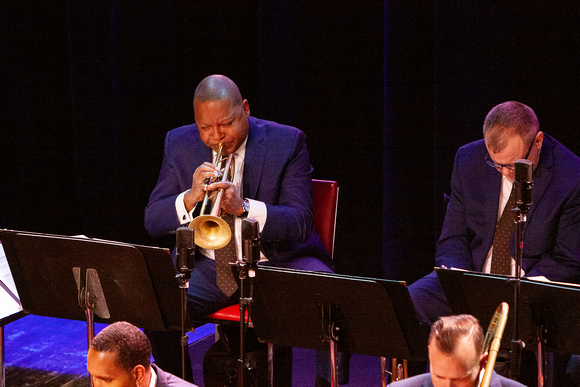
(325, 202)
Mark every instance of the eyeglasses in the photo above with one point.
(511, 167)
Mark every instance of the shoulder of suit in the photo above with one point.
(183, 130)
(506, 382)
(271, 127)
(474, 146)
(414, 381)
(183, 134)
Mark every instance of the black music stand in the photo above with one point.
(348, 314)
(137, 283)
(546, 310)
(479, 294)
(555, 314)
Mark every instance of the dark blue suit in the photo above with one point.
(424, 380)
(165, 379)
(551, 234)
(277, 171)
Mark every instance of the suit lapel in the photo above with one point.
(253, 161)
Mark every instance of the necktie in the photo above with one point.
(501, 260)
(224, 258)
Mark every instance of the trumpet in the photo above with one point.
(211, 231)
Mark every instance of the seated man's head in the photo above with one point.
(120, 356)
(221, 114)
(512, 132)
(456, 351)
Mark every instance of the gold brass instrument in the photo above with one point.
(211, 231)
(492, 340)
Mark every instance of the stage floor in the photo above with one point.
(43, 351)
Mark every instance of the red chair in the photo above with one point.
(325, 204)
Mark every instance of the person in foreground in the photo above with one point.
(272, 183)
(456, 356)
(120, 356)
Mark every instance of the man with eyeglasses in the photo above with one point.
(481, 184)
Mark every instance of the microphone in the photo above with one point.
(523, 184)
(185, 249)
(250, 240)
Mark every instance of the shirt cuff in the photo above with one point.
(182, 214)
(258, 211)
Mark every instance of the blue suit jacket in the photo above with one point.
(277, 171)
(424, 380)
(165, 379)
(552, 231)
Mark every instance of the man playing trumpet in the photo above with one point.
(272, 183)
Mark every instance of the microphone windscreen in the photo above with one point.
(184, 238)
(250, 228)
(523, 170)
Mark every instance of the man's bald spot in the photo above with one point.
(217, 87)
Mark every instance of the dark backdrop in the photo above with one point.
(386, 92)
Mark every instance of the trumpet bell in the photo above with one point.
(211, 232)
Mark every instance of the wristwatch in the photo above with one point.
(246, 208)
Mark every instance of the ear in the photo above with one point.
(539, 139)
(483, 360)
(139, 375)
(246, 107)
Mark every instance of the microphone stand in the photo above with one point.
(247, 271)
(517, 344)
(523, 185)
(185, 264)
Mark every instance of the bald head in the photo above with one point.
(217, 87)
(220, 114)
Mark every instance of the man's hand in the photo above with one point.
(231, 201)
(201, 176)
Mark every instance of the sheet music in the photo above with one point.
(9, 300)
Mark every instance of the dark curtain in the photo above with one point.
(386, 92)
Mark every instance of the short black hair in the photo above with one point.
(128, 341)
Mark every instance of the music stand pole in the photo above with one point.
(519, 344)
(334, 331)
(244, 304)
(183, 286)
(247, 269)
(516, 343)
(523, 185)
